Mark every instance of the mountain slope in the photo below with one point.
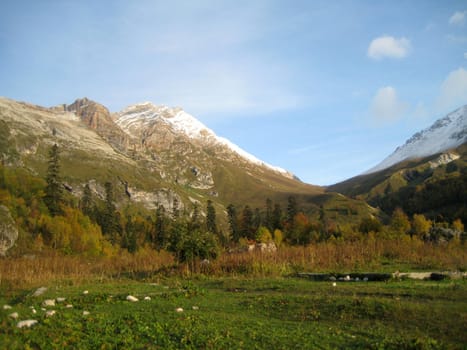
(446, 133)
(428, 174)
(137, 119)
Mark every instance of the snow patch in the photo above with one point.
(446, 133)
(137, 117)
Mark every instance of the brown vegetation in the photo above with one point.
(364, 255)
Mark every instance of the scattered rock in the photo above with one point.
(60, 300)
(48, 302)
(334, 284)
(147, 298)
(39, 291)
(26, 323)
(85, 292)
(50, 313)
(179, 309)
(6, 307)
(195, 307)
(69, 306)
(131, 298)
(86, 313)
(14, 315)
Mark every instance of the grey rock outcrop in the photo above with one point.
(8, 230)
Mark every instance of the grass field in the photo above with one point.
(240, 313)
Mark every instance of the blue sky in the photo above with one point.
(324, 89)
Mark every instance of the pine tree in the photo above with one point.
(54, 190)
(277, 217)
(256, 219)
(246, 224)
(268, 219)
(87, 204)
(233, 222)
(110, 220)
(161, 239)
(195, 223)
(211, 217)
(291, 210)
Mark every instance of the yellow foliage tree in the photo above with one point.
(420, 225)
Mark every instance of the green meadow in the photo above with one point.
(238, 313)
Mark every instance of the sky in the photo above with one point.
(324, 89)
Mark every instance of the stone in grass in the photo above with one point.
(179, 309)
(14, 315)
(69, 306)
(48, 302)
(6, 307)
(60, 300)
(86, 313)
(26, 323)
(85, 292)
(195, 307)
(50, 313)
(131, 298)
(147, 298)
(39, 291)
(33, 310)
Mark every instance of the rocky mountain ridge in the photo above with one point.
(154, 155)
(446, 133)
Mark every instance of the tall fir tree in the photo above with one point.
(87, 204)
(277, 217)
(54, 189)
(233, 222)
(211, 217)
(246, 223)
(291, 210)
(268, 222)
(110, 219)
(161, 239)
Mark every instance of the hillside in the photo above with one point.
(428, 174)
(153, 155)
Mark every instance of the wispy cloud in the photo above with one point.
(458, 18)
(390, 47)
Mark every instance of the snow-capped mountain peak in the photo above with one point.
(136, 118)
(446, 133)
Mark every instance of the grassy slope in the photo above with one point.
(244, 314)
(403, 177)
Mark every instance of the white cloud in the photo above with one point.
(458, 18)
(388, 46)
(386, 106)
(453, 90)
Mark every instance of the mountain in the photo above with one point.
(428, 174)
(154, 155)
(446, 133)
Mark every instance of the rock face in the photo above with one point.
(8, 230)
(98, 118)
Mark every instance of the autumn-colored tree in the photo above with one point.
(458, 225)
(420, 225)
(263, 235)
(400, 223)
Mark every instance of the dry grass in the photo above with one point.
(366, 255)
